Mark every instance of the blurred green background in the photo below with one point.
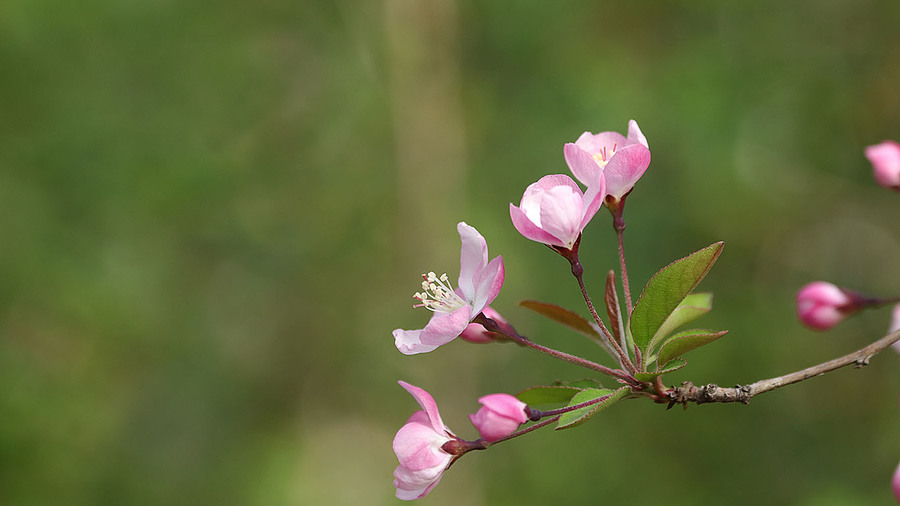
(216, 212)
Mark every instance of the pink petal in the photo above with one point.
(414, 485)
(505, 405)
(529, 229)
(561, 211)
(635, 134)
(441, 329)
(885, 160)
(595, 143)
(473, 257)
(625, 168)
(489, 282)
(581, 163)
(592, 200)
(418, 447)
(426, 402)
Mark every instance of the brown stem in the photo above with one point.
(688, 392)
(492, 326)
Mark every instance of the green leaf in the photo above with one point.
(579, 416)
(692, 307)
(685, 341)
(671, 366)
(665, 291)
(562, 315)
(582, 383)
(539, 396)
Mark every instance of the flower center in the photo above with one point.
(602, 157)
(438, 294)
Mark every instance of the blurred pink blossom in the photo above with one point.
(554, 211)
(895, 326)
(500, 415)
(418, 448)
(885, 159)
(822, 305)
(622, 160)
(479, 283)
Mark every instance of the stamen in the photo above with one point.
(438, 294)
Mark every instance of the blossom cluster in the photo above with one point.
(553, 211)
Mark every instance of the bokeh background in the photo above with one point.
(216, 212)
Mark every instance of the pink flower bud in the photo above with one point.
(895, 484)
(554, 211)
(499, 416)
(418, 446)
(822, 305)
(476, 333)
(885, 159)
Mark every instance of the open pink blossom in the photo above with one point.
(476, 333)
(500, 415)
(554, 211)
(418, 448)
(479, 283)
(895, 325)
(885, 159)
(622, 160)
(822, 305)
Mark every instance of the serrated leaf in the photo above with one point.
(579, 416)
(685, 341)
(671, 366)
(666, 289)
(692, 307)
(562, 315)
(540, 396)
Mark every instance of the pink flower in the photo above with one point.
(822, 305)
(479, 283)
(554, 211)
(895, 484)
(418, 448)
(621, 160)
(895, 326)
(500, 415)
(885, 159)
(476, 333)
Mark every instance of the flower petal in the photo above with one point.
(529, 229)
(581, 163)
(561, 211)
(625, 168)
(592, 200)
(473, 257)
(489, 282)
(635, 134)
(426, 402)
(418, 447)
(441, 329)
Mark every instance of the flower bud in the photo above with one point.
(895, 484)
(554, 210)
(476, 333)
(500, 415)
(822, 305)
(885, 159)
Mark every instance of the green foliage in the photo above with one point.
(692, 307)
(579, 416)
(671, 366)
(547, 395)
(564, 316)
(685, 341)
(666, 290)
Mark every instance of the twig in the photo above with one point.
(688, 392)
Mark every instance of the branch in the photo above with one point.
(688, 392)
